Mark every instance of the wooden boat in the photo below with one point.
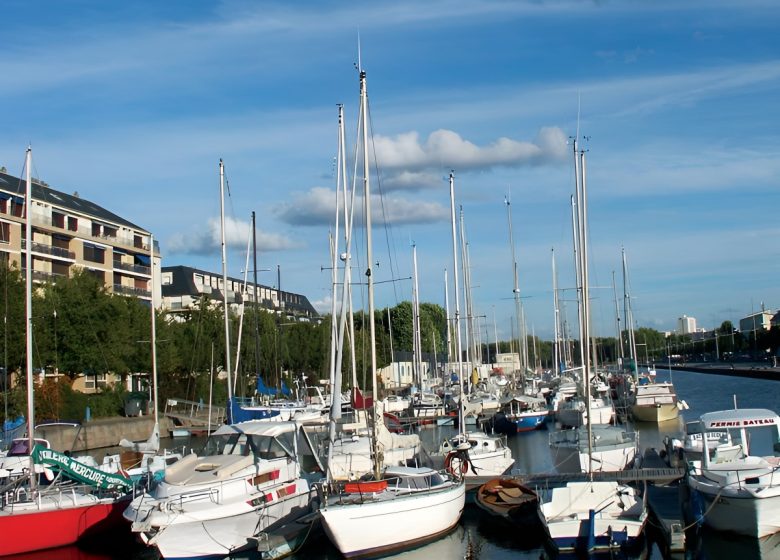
(508, 499)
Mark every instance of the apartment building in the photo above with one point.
(184, 286)
(71, 233)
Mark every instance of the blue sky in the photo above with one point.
(133, 104)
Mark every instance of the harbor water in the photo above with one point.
(479, 537)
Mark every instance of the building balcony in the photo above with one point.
(50, 250)
(138, 268)
(131, 291)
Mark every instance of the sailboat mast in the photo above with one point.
(257, 302)
(224, 279)
(334, 259)
(556, 318)
(154, 338)
(447, 315)
(416, 346)
(464, 264)
(629, 318)
(28, 260)
(461, 420)
(516, 295)
(619, 339)
(369, 265)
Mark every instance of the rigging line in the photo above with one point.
(392, 253)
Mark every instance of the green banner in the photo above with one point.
(79, 471)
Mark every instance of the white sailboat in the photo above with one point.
(652, 401)
(470, 454)
(399, 507)
(249, 479)
(590, 516)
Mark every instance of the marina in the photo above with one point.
(481, 536)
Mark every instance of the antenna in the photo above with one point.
(359, 63)
(579, 109)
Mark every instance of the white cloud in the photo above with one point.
(317, 207)
(237, 232)
(445, 149)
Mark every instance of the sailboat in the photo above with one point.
(476, 453)
(36, 516)
(590, 516)
(398, 507)
(250, 478)
(652, 401)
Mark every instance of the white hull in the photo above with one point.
(372, 527)
(566, 511)
(745, 512)
(613, 450)
(192, 536)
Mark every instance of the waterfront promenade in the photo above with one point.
(755, 370)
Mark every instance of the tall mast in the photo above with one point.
(464, 264)
(369, 264)
(461, 420)
(257, 302)
(28, 260)
(224, 280)
(556, 318)
(619, 339)
(522, 350)
(447, 315)
(334, 260)
(416, 342)
(154, 340)
(629, 317)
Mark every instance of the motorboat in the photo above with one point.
(736, 484)
(250, 478)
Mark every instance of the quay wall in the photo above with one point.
(102, 432)
(756, 372)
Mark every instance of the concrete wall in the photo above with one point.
(102, 432)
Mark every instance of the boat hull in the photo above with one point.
(377, 527)
(44, 529)
(743, 513)
(197, 536)
(656, 413)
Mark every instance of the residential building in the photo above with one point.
(71, 233)
(183, 286)
(759, 321)
(686, 325)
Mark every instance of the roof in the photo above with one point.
(739, 418)
(44, 193)
(183, 283)
(256, 428)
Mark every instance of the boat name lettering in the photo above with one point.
(741, 423)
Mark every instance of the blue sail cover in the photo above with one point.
(262, 389)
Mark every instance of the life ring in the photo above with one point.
(457, 463)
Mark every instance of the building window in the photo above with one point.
(109, 231)
(5, 232)
(99, 274)
(16, 207)
(73, 223)
(95, 230)
(138, 242)
(4, 205)
(95, 254)
(58, 220)
(98, 381)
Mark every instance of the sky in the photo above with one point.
(133, 104)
